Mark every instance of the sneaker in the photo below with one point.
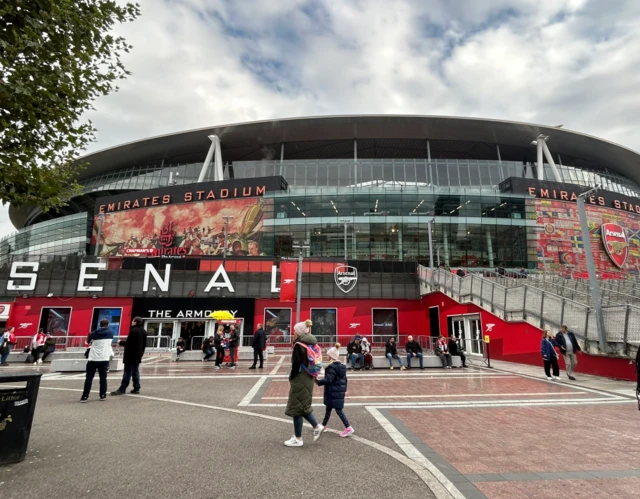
(571, 378)
(117, 392)
(252, 367)
(103, 398)
(35, 363)
(549, 378)
(260, 367)
(347, 432)
(402, 368)
(39, 361)
(317, 431)
(217, 368)
(421, 367)
(557, 378)
(448, 367)
(135, 392)
(204, 360)
(83, 400)
(391, 368)
(233, 368)
(293, 442)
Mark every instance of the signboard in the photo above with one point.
(183, 229)
(346, 277)
(486, 338)
(615, 243)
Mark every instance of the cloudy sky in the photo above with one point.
(197, 63)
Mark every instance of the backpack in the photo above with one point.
(314, 356)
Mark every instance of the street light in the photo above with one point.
(226, 236)
(345, 221)
(301, 246)
(591, 268)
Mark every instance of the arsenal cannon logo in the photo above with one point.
(615, 242)
(346, 277)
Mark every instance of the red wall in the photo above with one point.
(520, 341)
(411, 317)
(28, 310)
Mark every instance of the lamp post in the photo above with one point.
(226, 237)
(301, 246)
(591, 268)
(345, 222)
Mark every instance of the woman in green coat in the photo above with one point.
(301, 386)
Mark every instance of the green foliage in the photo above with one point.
(56, 58)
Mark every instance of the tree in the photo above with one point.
(56, 58)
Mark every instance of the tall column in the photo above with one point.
(445, 243)
(540, 160)
(308, 238)
(490, 248)
(400, 257)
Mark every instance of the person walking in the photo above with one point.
(258, 344)
(100, 352)
(549, 355)
(134, 347)
(218, 343)
(335, 390)
(37, 346)
(301, 386)
(569, 348)
(442, 351)
(234, 340)
(456, 348)
(391, 352)
(7, 341)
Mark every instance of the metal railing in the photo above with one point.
(79, 342)
(517, 300)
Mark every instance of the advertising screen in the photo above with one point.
(113, 315)
(192, 229)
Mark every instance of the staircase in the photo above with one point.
(526, 300)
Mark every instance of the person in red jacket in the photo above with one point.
(37, 346)
(7, 340)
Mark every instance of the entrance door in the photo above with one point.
(160, 334)
(468, 329)
(194, 332)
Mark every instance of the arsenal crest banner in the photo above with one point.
(288, 271)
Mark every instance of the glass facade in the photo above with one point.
(386, 204)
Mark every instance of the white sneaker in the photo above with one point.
(40, 362)
(293, 442)
(217, 368)
(557, 378)
(391, 368)
(35, 363)
(549, 378)
(317, 431)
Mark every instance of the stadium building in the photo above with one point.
(147, 236)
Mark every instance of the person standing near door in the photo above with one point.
(218, 343)
(134, 347)
(234, 340)
(258, 344)
(569, 348)
(100, 352)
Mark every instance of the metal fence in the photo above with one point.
(71, 343)
(516, 300)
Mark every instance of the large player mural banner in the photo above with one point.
(184, 229)
(560, 242)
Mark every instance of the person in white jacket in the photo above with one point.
(99, 356)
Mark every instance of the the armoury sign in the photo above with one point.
(545, 189)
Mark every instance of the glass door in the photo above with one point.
(477, 346)
(160, 334)
(468, 329)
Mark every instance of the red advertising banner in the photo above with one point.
(288, 271)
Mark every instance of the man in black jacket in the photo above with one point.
(569, 349)
(258, 344)
(413, 350)
(134, 347)
(455, 348)
(354, 349)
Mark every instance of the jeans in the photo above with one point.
(354, 357)
(5, 355)
(463, 359)
(46, 354)
(233, 353)
(130, 371)
(297, 423)
(208, 353)
(570, 361)
(341, 415)
(445, 358)
(36, 352)
(409, 356)
(391, 357)
(258, 353)
(219, 356)
(549, 363)
(101, 367)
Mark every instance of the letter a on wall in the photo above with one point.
(288, 271)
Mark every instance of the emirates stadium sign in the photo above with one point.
(615, 243)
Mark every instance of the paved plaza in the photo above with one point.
(503, 432)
